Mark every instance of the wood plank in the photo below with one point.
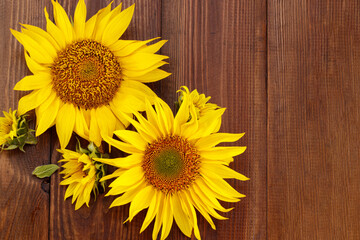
(98, 221)
(313, 119)
(24, 199)
(219, 48)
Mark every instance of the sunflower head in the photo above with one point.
(85, 78)
(174, 167)
(15, 131)
(82, 173)
(200, 101)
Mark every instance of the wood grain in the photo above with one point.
(24, 199)
(313, 120)
(219, 48)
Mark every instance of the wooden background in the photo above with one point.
(288, 73)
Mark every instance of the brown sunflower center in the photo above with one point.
(86, 74)
(171, 164)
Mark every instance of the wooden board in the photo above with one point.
(24, 199)
(313, 120)
(288, 74)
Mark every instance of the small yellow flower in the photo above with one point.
(14, 131)
(174, 167)
(8, 126)
(200, 101)
(81, 174)
(84, 77)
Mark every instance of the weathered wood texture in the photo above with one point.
(313, 119)
(288, 74)
(24, 200)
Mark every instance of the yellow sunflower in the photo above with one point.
(15, 131)
(174, 167)
(84, 78)
(200, 101)
(81, 173)
(8, 126)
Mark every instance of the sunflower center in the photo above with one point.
(171, 164)
(86, 74)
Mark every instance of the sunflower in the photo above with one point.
(174, 167)
(84, 78)
(15, 131)
(200, 101)
(81, 173)
(8, 126)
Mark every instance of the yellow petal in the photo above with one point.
(159, 217)
(120, 50)
(126, 197)
(125, 162)
(121, 145)
(94, 131)
(141, 200)
(117, 26)
(79, 19)
(89, 27)
(54, 31)
(167, 217)
(223, 171)
(221, 186)
(33, 100)
(140, 61)
(200, 207)
(33, 82)
(133, 74)
(33, 65)
(81, 126)
(102, 21)
(151, 212)
(106, 121)
(154, 47)
(152, 76)
(216, 138)
(42, 33)
(65, 122)
(63, 22)
(37, 52)
(189, 209)
(129, 177)
(48, 47)
(132, 138)
(48, 117)
(208, 123)
(182, 115)
(222, 152)
(181, 219)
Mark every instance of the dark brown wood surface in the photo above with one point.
(288, 73)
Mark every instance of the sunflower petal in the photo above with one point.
(80, 19)
(132, 138)
(117, 26)
(33, 82)
(48, 117)
(223, 171)
(141, 200)
(54, 31)
(152, 76)
(181, 219)
(216, 138)
(151, 212)
(63, 22)
(33, 100)
(65, 122)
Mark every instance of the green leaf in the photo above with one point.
(45, 170)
